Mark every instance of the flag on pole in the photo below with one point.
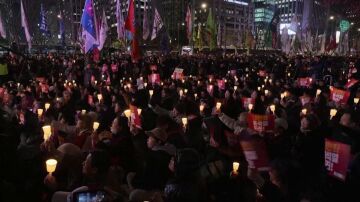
(43, 21)
(146, 26)
(62, 29)
(89, 26)
(2, 29)
(103, 31)
(158, 24)
(189, 25)
(211, 29)
(131, 31)
(120, 21)
(24, 24)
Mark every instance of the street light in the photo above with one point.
(203, 5)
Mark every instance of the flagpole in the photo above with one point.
(192, 23)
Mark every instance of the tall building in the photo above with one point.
(233, 17)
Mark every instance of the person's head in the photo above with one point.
(97, 163)
(347, 120)
(157, 137)
(84, 122)
(309, 123)
(119, 124)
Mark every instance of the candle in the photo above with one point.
(96, 125)
(139, 111)
(250, 106)
(47, 132)
(289, 74)
(51, 165)
(247, 75)
(181, 92)
(95, 82)
(266, 92)
(145, 84)
(184, 121)
(235, 88)
(195, 95)
(127, 113)
(282, 95)
(218, 105)
(202, 108)
(356, 100)
(318, 91)
(210, 80)
(198, 82)
(128, 85)
(141, 78)
(99, 97)
(47, 106)
(40, 112)
(236, 167)
(83, 111)
(259, 88)
(303, 111)
(332, 113)
(185, 91)
(272, 108)
(270, 80)
(151, 92)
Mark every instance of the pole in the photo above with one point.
(192, 23)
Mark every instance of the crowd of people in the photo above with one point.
(172, 128)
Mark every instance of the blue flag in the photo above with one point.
(43, 22)
(62, 30)
(88, 25)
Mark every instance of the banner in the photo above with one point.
(246, 101)
(337, 158)
(221, 84)
(154, 79)
(305, 82)
(261, 123)
(350, 83)
(178, 74)
(339, 96)
(256, 154)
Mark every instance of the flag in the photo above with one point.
(146, 28)
(158, 24)
(24, 24)
(89, 26)
(189, 24)
(273, 28)
(2, 29)
(294, 24)
(211, 29)
(131, 31)
(284, 39)
(103, 31)
(120, 21)
(62, 29)
(43, 21)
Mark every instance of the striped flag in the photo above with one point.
(43, 21)
(2, 29)
(24, 24)
(146, 27)
(120, 21)
(103, 31)
(130, 29)
(158, 24)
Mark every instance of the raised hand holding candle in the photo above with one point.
(47, 106)
(333, 113)
(96, 125)
(356, 100)
(304, 111)
(40, 112)
(272, 108)
(218, 105)
(236, 166)
(51, 165)
(250, 106)
(47, 132)
(184, 121)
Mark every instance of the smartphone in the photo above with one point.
(89, 196)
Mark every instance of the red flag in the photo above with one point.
(131, 32)
(337, 158)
